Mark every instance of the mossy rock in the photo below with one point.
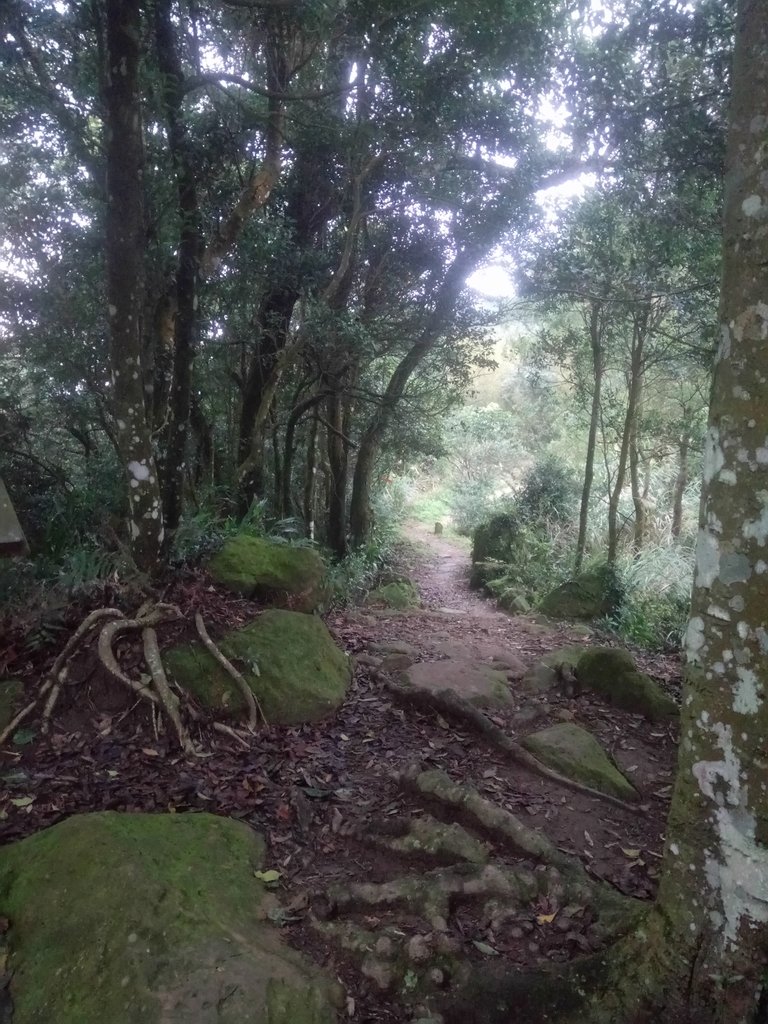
(11, 691)
(575, 753)
(400, 595)
(481, 684)
(547, 672)
(590, 596)
(303, 675)
(612, 673)
(280, 574)
(120, 918)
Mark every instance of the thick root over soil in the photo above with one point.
(452, 706)
(152, 688)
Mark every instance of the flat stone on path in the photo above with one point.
(480, 684)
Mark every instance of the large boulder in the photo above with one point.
(280, 574)
(575, 753)
(611, 672)
(590, 596)
(120, 918)
(481, 684)
(288, 659)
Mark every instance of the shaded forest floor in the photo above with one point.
(319, 792)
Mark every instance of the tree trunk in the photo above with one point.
(681, 482)
(589, 466)
(337, 465)
(633, 398)
(638, 499)
(310, 480)
(125, 276)
(188, 271)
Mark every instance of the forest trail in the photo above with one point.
(359, 848)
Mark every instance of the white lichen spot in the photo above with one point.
(674, 849)
(761, 454)
(707, 559)
(739, 873)
(727, 476)
(719, 613)
(112, 310)
(135, 531)
(714, 459)
(747, 695)
(724, 348)
(694, 639)
(121, 424)
(760, 566)
(757, 529)
(139, 471)
(742, 629)
(752, 205)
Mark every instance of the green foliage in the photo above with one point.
(549, 491)
(657, 586)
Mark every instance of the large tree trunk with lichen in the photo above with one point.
(700, 956)
(125, 276)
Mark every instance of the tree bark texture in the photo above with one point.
(595, 341)
(125, 276)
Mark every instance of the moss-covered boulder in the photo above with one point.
(121, 918)
(612, 673)
(547, 672)
(280, 574)
(590, 596)
(11, 692)
(575, 753)
(288, 659)
(497, 539)
(400, 595)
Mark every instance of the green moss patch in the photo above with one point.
(293, 577)
(612, 673)
(302, 675)
(399, 595)
(575, 753)
(120, 918)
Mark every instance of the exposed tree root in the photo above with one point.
(450, 705)
(166, 696)
(252, 704)
(154, 689)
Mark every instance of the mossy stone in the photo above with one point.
(122, 918)
(575, 753)
(546, 673)
(303, 675)
(590, 596)
(280, 574)
(611, 672)
(399, 595)
(11, 691)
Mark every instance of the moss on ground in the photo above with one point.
(276, 573)
(612, 673)
(303, 676)
(122, 918)
(575, 753)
